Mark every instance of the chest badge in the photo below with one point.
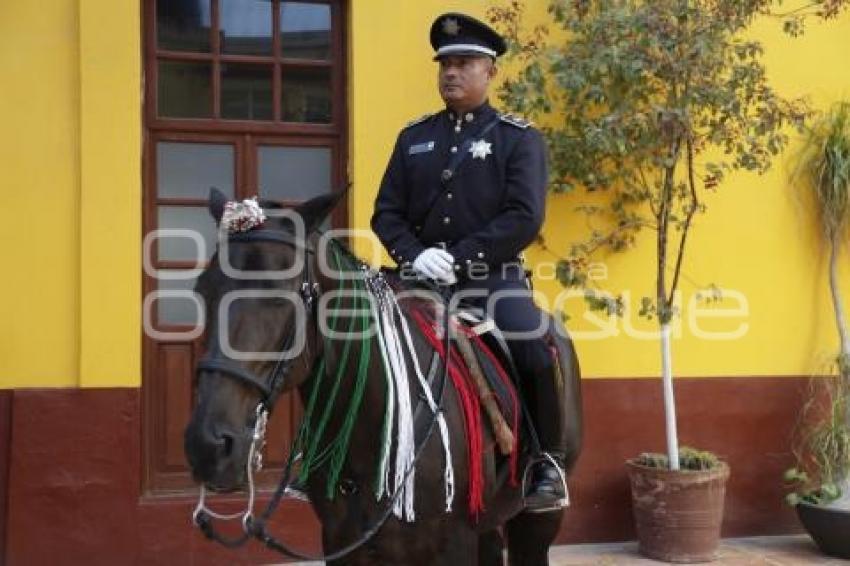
(480, 149)
(421, 148)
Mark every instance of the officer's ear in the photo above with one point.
(494, 70)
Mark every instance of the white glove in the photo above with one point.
(436, 263)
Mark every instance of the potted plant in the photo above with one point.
(821, 478)
(648, 106)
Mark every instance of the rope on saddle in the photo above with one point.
(503, 433)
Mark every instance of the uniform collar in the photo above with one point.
(471, 116)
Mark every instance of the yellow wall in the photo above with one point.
(71, 192)
(70, 186)
(753, 239)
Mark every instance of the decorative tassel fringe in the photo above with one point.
(448, 476)
(405, 475)
(471, 413)
(382, 477)
(397, 347)
(397, 353)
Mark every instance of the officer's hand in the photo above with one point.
(436, 264)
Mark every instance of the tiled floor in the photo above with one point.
(755, 551)
(770, 551)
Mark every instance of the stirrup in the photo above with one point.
(555, 504)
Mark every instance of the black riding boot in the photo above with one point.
(546, 490)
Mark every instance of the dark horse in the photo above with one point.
(218, 438)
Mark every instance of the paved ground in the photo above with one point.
(756, 551)
(769, 551)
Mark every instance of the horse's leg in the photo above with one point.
(491, 547)
(529, 536)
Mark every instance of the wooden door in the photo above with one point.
(245, 96)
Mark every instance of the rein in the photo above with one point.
(270, 389)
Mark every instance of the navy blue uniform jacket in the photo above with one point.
(490, 209)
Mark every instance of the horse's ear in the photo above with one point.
(315, 210)
(217, 201)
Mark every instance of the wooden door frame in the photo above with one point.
(155, 482)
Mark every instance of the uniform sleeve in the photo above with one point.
(522, 211)
(389, 219)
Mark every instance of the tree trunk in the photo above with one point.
(669, 398)
(664, 311)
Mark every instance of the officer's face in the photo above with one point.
(464, 80)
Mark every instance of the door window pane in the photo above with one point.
(188, 170)
(185, 89)
(180, 309)
(195, 218)
(306, 95)
(305, 30)
(246, 92)
(293, 173)
(246, 27)
(183, 25)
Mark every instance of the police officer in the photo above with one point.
(462, 196)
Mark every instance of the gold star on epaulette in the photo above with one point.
(450, 26)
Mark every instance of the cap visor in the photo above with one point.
(463, 53)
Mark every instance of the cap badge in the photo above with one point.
(450, 26)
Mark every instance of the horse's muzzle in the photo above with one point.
(217, 457)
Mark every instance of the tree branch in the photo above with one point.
(690, 214)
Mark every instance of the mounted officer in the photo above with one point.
(464, 193)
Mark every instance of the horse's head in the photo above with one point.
(255, 289)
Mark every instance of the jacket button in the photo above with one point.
(447, 174)
(454, 149)
(446, 219)
(449, 196)
(480, 255)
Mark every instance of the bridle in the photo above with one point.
(270, 389)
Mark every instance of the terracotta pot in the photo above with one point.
(828, 526)
(678, 514)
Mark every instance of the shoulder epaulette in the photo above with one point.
(515, 121)
(417, 120)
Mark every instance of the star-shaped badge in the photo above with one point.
(480, 149)
(450, 26)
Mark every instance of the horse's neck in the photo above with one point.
(340, 356)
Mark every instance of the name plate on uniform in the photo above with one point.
(421, 148)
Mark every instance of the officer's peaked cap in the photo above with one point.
(459, 34)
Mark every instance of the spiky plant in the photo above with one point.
(822, 173)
